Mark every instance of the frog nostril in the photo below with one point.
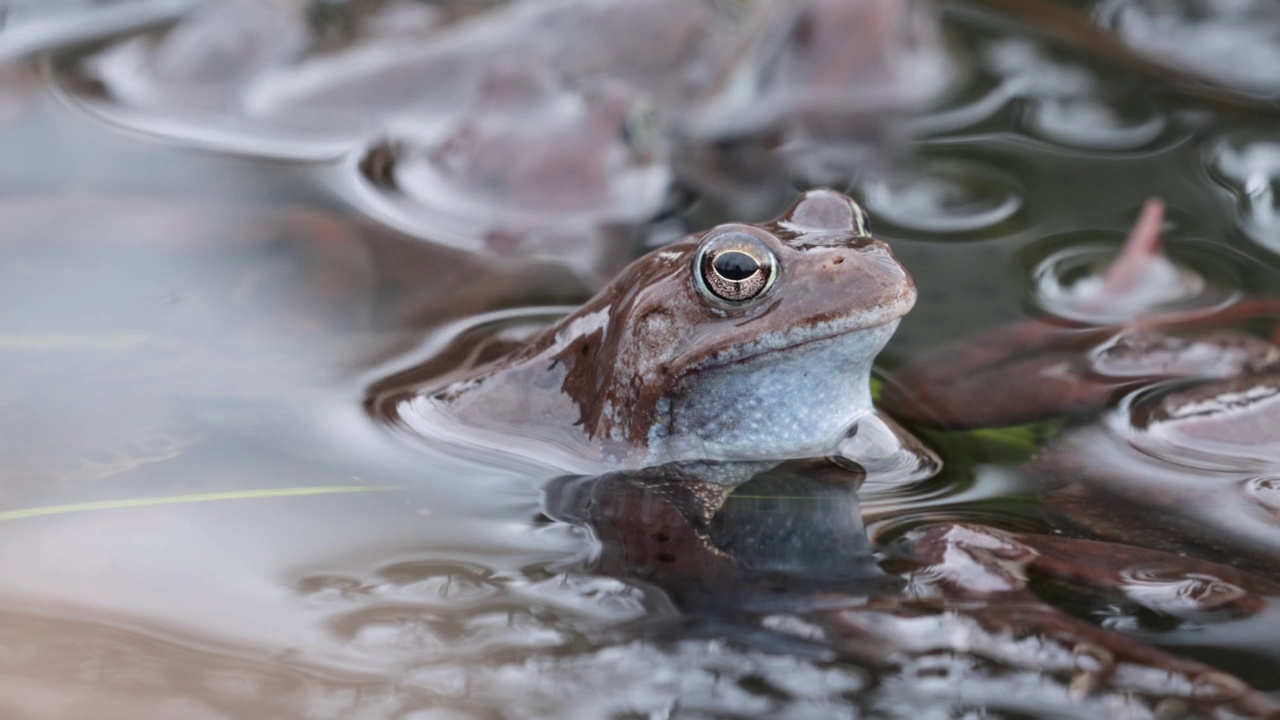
(837, 261)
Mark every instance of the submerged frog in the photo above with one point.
(1185, 459)
(532, 168)
(252, 76)
(747, 342)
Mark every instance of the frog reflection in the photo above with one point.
(790, 531)
(784, 563)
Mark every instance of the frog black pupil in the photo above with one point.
(734, 265)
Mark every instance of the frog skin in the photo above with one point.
(786, 559)
(745, 342)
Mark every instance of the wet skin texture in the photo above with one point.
(656, 368)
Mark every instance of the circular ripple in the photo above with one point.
(1091, 124)
(1068, 274)
(1062, 103)
(1225, 425)
(946, 196)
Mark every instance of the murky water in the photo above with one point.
(200, 516)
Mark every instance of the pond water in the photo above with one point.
(201, 518)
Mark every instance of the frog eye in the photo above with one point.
(734, 268)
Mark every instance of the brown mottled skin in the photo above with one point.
(600, 374)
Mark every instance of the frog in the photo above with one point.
(747, 342)
(256, 78)
(786, 563)
(532, 168)
(1170, 441)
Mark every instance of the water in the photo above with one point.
(201, 517)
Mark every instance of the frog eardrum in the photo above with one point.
(734, 268)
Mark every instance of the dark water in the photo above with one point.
(199, 519)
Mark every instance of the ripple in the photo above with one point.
(1188, 596)
(890, 458)
(1069, 105)
(1091, 124)
(1265, 491)
(945, 196)
(1069, 274)
(1232, 42)
(1225, 425)
(1062, 103)
(1249, 166)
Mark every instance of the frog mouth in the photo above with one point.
(873, 329)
